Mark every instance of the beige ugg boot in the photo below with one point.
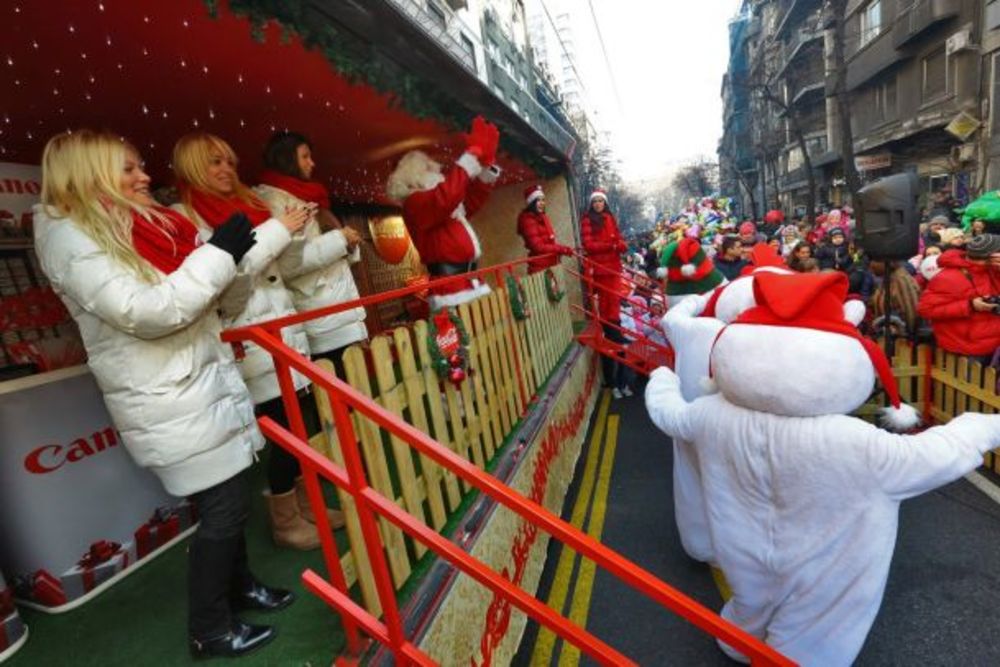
(335, 517)
(288, 528)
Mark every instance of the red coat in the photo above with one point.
(540, 239)
(946, 304)
(605, 245)
(437, 219)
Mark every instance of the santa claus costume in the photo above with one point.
(437, 208)
(534, 226)
(802, 500)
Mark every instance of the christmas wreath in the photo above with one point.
(448, 343)
(518, 299)
(552, 287)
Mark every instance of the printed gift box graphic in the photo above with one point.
(165, 524)
(102, 561)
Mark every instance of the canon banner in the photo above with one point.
(74, 509)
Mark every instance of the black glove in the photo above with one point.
(235, 236)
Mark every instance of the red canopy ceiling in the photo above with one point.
(153, 71)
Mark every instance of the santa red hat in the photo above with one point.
(533, 192)
(816, 301)
(599, 192)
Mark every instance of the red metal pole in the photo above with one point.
(369, 527)
(355, 645)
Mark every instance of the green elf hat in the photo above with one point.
(689, 270)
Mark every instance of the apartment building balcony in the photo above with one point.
(400, 26)
(921, 15)
(873, 58)
(795, 11)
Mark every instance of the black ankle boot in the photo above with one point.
(241, 639)
(254, 595)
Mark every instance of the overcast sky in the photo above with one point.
(668, 58)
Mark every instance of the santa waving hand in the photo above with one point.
(437, 208)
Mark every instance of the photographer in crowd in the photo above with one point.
(962, 302)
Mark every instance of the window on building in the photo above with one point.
(508, 65)
(493, 47)
(469, 48)
(438, 14)
(871, 21)
(935, 75)
(884, 101)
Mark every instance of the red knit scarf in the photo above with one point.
(158, 244)
(215, 210)
(309, 191)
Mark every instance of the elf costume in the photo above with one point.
(688, 270)
(536, 230)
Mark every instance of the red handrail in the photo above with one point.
(352, 478)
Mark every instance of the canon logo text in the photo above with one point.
(49, 458)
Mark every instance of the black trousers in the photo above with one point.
(283, 468)
(217, 559)
(614, 372)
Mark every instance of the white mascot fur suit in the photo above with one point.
(437, 208)
(691, 326)
(802, 500)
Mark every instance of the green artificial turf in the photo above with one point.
(142, 619)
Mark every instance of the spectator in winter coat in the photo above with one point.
(957, 300)
(211, 191)
(904, 294)
(146, 295)
(835, 254)
(535, 228)
(977, 227)
(749, 236)
(729, 261)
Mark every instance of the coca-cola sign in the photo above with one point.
(51, 457)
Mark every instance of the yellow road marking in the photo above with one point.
(546, 642)
(580, 606)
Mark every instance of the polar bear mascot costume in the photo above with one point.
(803, 500)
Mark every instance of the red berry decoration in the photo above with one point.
(456, 376)
(455, 360)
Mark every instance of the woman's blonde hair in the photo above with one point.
(193, 154)
(81, 180)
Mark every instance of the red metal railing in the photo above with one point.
(641, 354)
(370, 504)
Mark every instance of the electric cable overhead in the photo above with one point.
(604, 52)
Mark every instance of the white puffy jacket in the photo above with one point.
(170, 385)
(268, 299)
(317, 270)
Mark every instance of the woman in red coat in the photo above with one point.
(535, 228)
(603, 245)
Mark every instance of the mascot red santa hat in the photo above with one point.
(803, 500)
(437, 207)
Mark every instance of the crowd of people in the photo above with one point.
(943, 293)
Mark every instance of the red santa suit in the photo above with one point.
(603, 244)
(539, 237)
(436, 211)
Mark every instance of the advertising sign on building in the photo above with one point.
(872, 162)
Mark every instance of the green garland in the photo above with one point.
(518, 299)
(360, 62)
(552, 287)
(442, 366)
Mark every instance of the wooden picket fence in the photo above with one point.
(954, 385)
(474, 420)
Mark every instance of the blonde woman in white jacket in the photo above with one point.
(211, 192)
(144, 291)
